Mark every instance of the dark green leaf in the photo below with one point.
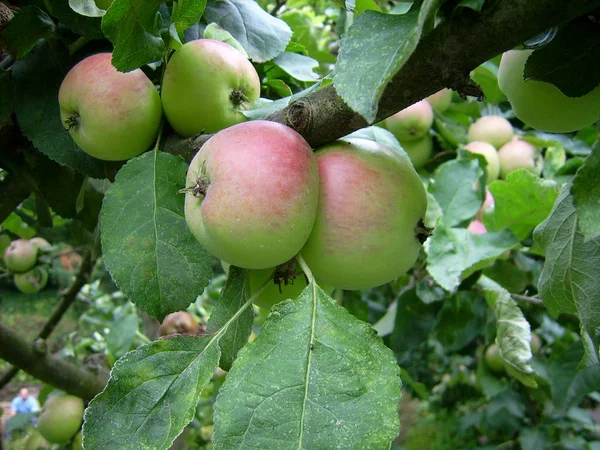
(86, 25)
(586, 192)
(7, 95)
(460, 320)
(186, 13)
(27, 27)
(475, 5)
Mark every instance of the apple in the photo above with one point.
(33, 281)
(493, 359)
(287, 283)
(419, 151)
(477, 227)
(35, 441)
(536, 343)
(252, 194)
(40, 243)
(180, 322)
(494, 130)
(488, 202)
(206, 85)
(20, 256)
(518, 154)
(441, 100)
(111, 115)
(103, 4)
(61, 418)
(491, 156)
(542, 105)
(412, 122)
(369, 221)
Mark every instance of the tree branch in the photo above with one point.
(524, 298)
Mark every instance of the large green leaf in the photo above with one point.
(147, 247)
(186, 13)
(152, 394)
(586, 192)
(87, 8)
(521, 203)
(373, 50)
(307, 380)
(87, 25)
(26, 28)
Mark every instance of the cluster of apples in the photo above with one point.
(115, 116)
(21, 258)
(61, 418)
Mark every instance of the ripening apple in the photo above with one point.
(111, 115)
(542, 105)
(518, 154)
(206, 85)
(412, 122)
(32, 281)
(20, 256)
(61, 417)
(493, 359)
(252, 194)
(419, 151)
(441, 100)
(491, 156)
(180, 322)
(494, 130)
(369, 223)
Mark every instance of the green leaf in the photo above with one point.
(521, 203)
(186, 13)
(475, 5)
(297, 66)
(214, 31)
(7, 95)
(486, 76)
(262, 35)
(380, 135)
(585, 382)
(454, 253)
(513, 333)
(586, 192)
(133, 27)
(38, 113)
(534, 439)
(306, 381)
(81, 24)
(233, 296)
(152, 394)
(147, 247)
(373, 50)
(569, 280)
(454, 192)
(122, 332)
(86, 8)
(460, 320)
(28, 26)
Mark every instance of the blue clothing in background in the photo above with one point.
(21, 406)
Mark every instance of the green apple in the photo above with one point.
(542, 105)
(111, 115)
(61, 418)
(411, 123)
(103, 4)
(20, 256)
(441, 100)
(493, 359)
(206, 85)
(491, 156)
(369, 223)
(277, 291)
(77, 443)
(494, 130)
(32, 281)
(419, 151)
(252, 194)
(35, 441)
(518, 154)
(536, 343)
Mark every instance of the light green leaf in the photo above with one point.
(86, 8)
(586, 195)
(373, 50)
(486, 76)
(121, 334)
(147, 247)
(382, 136)
(27, 27)
(214, 31)
(297, 66)
(455, 253)
(186, 13)
(521, 203)
(152, 394)
(533, 439)
(306, 381)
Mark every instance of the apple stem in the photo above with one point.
(422, 232)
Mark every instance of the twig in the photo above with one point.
(278, 5)
(524, 298)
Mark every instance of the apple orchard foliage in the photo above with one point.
(316, 376)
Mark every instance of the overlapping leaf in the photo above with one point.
(27, 27)
(586, 192)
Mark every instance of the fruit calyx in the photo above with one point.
(72, 121)
(286, 273)
(237, 97)
(422, 232)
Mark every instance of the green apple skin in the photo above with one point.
(103, 4)
(271, 295)
(20, 256)
(491, 156)
(518, 154)
(33, 281)
(110, 115)
(206, 85)
(441, 100)
(419, 151)
(493, 359)
(370, 202)
(536, 343)
(40, 243)
(61, 418)
(494, 130)
(261, 197)
(411, 123)
(35, 441)
(77, 443)
(542, 105)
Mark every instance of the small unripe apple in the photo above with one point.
(494, 130)
(441, 100)
(542, 105)
(477, 227)
(180, 322)
(206, 85)
(111, 115)
(491, 156)
(518, 154)
(32, 281)
(369, 223)
(61, 418)
(20, 256)
(419, 150)
(40, 243)
(252, 194)
(103, 4)
(412, 122)
(493, 359)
